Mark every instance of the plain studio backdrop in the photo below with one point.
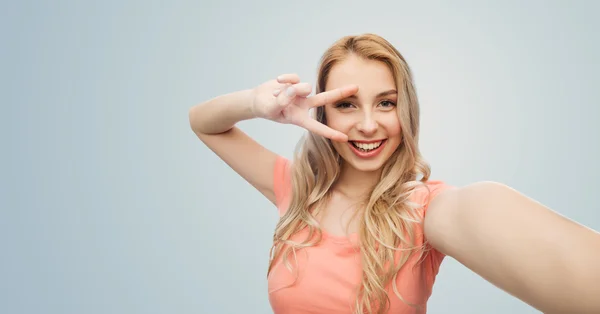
(110, 204)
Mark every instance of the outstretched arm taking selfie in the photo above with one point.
(519, 245)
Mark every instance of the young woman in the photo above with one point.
(362, 227)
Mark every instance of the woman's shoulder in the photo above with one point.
(424, 193)
(433, 186)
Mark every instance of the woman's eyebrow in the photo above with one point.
(386, 93)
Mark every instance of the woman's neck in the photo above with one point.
(355, 183)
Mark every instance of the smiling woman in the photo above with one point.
(361, 227)
(369, 117)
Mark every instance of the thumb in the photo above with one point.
(286, 96)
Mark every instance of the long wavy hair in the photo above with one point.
(387, 217)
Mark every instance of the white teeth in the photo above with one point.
(369, 146)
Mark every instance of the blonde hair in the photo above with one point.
(387, 217)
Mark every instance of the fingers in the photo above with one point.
(333, 95)
(302, 89)
(317, 127)
(288, 79)
(294, 90)
(286, 95)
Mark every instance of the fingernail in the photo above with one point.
(290, 91)
(276, 92)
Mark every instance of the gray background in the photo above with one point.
(110, 204)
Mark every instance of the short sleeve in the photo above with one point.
(435, 257)
(282, 184)
(435, 187)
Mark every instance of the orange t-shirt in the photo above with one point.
(330, 272)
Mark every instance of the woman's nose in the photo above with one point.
(367, 125)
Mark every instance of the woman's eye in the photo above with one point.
(387, 103)
(343, 105)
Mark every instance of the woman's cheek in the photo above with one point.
(392, 126)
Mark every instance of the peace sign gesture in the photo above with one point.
(286, 100)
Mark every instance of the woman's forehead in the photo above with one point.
(372, 77)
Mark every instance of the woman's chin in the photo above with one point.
(366, 165)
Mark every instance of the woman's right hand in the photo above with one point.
(286, 100)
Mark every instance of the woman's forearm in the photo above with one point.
(221, 113)
(521, 246)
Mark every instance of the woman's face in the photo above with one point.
(369, 117)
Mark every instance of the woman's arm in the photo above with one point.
(285, 100)
(214, 121)
(533, 253)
